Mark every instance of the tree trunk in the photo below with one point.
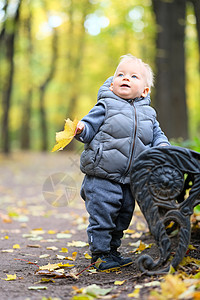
(75, 60)
(8, 35)
(196, 4)
(26, 113)
(170, 98)
(43, 88)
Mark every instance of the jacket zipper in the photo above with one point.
(134, 138)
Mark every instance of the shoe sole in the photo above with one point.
(109, 270)
(128, 264)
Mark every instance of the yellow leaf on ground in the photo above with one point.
(142, 246)
(50, 267)
(10, 277)
(73, 257)
(135, 294)
(130, 231)
(119, 282)
(64, 250)
(173, 287)
(189, 260)
(16, 246)
(63, 138)
(87, 256)
(52, 248)
(51, 232)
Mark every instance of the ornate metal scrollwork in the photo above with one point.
(165, 182)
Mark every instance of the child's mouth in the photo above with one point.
(125, 85)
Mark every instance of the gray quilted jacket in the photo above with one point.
(116, 131)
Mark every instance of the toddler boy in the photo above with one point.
(116, 130)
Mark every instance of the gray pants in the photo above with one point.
(110, 206)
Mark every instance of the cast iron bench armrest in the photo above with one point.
(165, 182)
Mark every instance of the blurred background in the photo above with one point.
(54, 56)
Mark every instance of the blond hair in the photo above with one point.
(148, 71)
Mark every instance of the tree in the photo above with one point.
(26, 111)
(43, 88)
(7, 41)
(170, 98)
(196, 4)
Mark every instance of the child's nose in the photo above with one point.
(127, 77)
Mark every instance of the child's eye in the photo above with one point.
(134, 76)
(120, 75)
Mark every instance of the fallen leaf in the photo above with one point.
(10, 277)
(139, 246)
(60, 256)
(56, 273)
(173, 286)
(87, 256)
(52, 267)
(63, 138)
(77, 244)
(5, 218)
(135, 294)
(39, 287)
(118, 282)
(95, 290)
(171, 270)
(7, 251)
(16, 246)
(64, 250)
(51, 232)
(190, 260)
(44, 256)
(130, 231)
(45, 280)
(52, 248)
(73, 257)
(33, 246)
(191, 247)
(63, 235)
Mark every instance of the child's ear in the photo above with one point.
(111, 86)
(145, 92)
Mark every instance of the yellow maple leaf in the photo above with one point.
(50, 267)
(63, 138)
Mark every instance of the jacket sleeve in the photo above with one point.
(93, 120)
(158, 135)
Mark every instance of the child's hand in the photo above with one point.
(79, 128)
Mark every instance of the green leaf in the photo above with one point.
(94, 290)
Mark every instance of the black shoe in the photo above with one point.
(104, 262)
(123, 261)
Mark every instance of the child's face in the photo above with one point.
(129, 81)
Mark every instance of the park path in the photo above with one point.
(41, 213)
